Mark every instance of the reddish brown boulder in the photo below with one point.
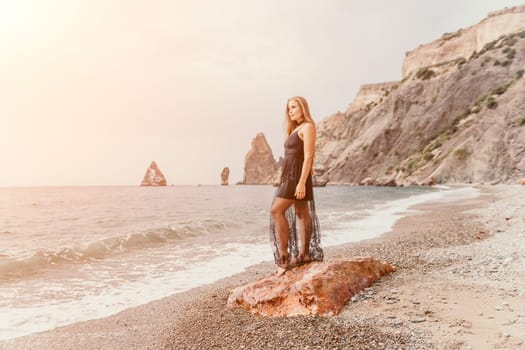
(522, 181)
(321, 288)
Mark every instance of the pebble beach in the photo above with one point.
(460, 284)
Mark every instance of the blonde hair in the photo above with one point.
(290, 125)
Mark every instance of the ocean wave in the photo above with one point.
(43, 259)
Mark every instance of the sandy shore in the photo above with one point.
(460, 285)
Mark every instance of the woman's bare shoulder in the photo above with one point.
(308, 127)
(307, 130)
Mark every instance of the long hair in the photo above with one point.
(290, 125)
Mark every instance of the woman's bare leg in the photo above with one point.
(303, 213)
(283, 229)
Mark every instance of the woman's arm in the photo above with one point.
(308, 136)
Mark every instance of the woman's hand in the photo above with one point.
(300, 191)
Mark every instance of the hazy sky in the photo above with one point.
(92, 91)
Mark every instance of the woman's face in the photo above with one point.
(294, 111)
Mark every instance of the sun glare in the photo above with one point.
(20, 19)
(13, 14)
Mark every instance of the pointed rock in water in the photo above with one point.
(225, 174)
(153, 176)
(260, 167)
(321, 288)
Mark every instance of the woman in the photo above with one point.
(296, 188)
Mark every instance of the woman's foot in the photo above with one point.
(284, 264)
(303, 259)
(300, 260)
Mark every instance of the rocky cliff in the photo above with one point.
(370, 95)
(260, 167)
(463, 42)
(457, 116)
(459, 120)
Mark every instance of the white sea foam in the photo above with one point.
(382, 217)
(19, 321)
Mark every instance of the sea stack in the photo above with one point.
(260, 167)
(153, 176)
(225, 174)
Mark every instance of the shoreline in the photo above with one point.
(367, 222)
(421, 245)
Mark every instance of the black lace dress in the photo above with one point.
(290, 175)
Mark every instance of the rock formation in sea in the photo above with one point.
(457, 116)
(319, 288)
(153, 176)
(260, 167)
(225, 174)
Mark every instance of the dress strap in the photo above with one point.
(299, 127)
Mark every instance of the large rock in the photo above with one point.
(153, 176)
(260, 167)
(321, 288)
(319, 181)
(368, 182)
(225, 174)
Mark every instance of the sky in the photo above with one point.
(92, 91)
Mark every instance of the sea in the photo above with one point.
(71, 254)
